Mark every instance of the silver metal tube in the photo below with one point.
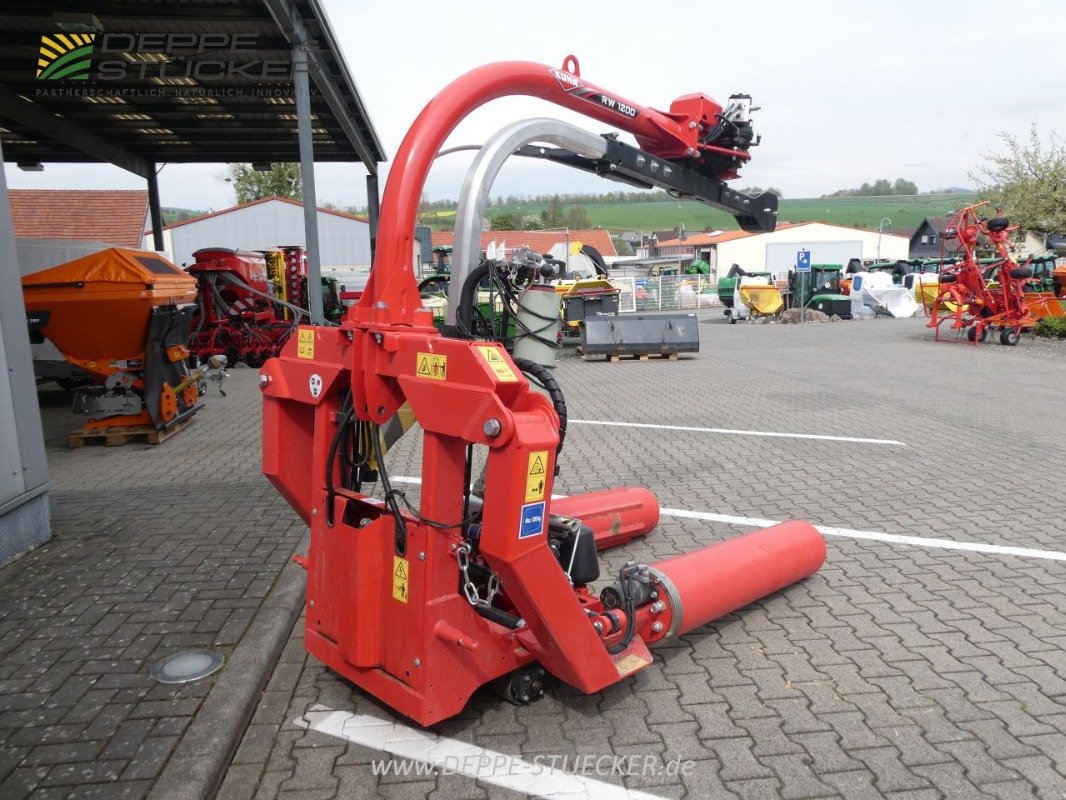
(474, 198)
(307, 182)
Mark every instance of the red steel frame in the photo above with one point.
(426, 652)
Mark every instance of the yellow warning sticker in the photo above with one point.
(305, 343)
(628, 664)
(536, 475)
(401, 572)
(429, 365)
(497, 363)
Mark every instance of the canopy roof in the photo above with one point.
(174, 81)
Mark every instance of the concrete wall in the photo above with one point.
(345, 242)
(24, 515)
(751, 251)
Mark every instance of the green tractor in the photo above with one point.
(436, 282)
(820, 290)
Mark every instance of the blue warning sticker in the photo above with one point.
(532, 520)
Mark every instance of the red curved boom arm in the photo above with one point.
(392, 282)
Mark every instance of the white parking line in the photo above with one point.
(731, 432)
(876, 536)
(849, 533)
(455, 757)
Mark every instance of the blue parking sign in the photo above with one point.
(803, 261)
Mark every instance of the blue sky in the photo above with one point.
(849, 92)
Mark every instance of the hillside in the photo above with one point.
(905, 212)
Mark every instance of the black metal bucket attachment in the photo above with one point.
(640, 335)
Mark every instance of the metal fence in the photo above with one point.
(666, 293)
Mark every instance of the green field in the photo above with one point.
(860, 212)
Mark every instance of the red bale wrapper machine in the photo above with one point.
(422, 607)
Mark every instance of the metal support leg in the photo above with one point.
(154, 209)
(372, 209)
(307, 182)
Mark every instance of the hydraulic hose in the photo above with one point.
(464, 318)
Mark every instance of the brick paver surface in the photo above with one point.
(155, 549)
(896, 671)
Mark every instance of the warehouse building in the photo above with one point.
(776, 251)
(344, 239)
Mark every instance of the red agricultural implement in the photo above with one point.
(974, 298)
(237, 314)
(420, 607)
(249, 303)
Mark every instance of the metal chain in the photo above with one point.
(473, 596)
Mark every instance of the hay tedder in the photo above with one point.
(976, 298)
(422, 606)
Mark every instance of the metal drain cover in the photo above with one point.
(186, 666)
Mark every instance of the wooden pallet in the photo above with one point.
(639, 357)
(113, 437)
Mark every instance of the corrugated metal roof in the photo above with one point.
(222, 211)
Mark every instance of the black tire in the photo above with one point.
(732, 320)
(1009, 337)
(597, 259)
(971, 333)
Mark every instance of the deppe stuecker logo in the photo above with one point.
(65, 56)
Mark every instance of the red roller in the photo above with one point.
(616, 516)
(706, 584)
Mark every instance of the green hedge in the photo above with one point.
(1055, 327)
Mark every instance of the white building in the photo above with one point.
(344, 239)
(776, 252)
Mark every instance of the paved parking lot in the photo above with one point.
(903, 669)
(154, 549)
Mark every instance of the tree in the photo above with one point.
(503, 222)
(554, 216)
(533, 224)
(1027, 180)
(281, 180)
(578, 218)
(902, 186)
(755, 191)
(882, 187)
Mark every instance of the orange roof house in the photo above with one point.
(115, 216)
(537, 241)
